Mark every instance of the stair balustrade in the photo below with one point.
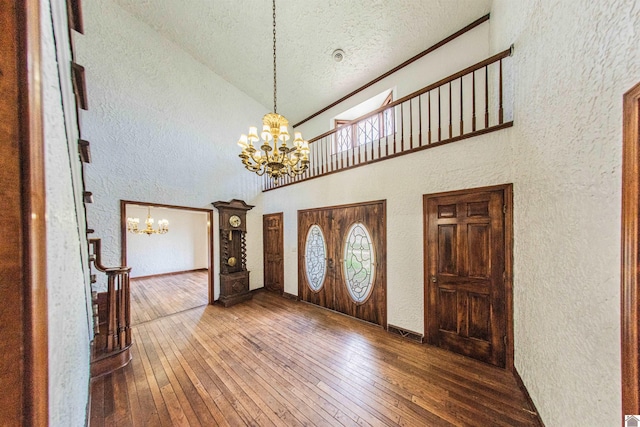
(112, 316)
(465, 104)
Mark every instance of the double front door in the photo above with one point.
(342, 259)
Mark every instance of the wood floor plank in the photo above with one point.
(276, 362)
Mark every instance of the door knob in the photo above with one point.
(433, 279)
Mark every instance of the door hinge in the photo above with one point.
(504, 338)
(504, 209)
(504, 276)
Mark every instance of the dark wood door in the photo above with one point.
(465, 298)
(273, 247)
(352, 241)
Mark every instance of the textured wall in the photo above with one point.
(162, 128)
(183, 248)
(572, 62)
(69, 330)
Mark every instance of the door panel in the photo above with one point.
(336, 224)
(324, 296)
(273, 247)
(465, 296)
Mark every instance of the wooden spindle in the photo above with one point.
(111, 311)
(420, 121)
(473, 101)
(121, 322)
(461, 111)
(450, 112)
(410, 124)
(401, 129)
(429, 117)
(486, 97)
(500, 110)
(439, 117)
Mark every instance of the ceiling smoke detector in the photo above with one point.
(338, 55)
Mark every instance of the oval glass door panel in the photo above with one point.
(315, 258)
(359, 262)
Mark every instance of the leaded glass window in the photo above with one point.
(315, 258)
(359, 262)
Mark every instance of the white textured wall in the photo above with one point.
(183, 248)
(67, 276)
(573, 61)
(162, 128)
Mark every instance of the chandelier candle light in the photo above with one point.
(132, 225)
(273, 159)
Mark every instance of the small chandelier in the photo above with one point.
(132, 225)
(270, 158)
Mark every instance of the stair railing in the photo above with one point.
(112, 311)
(465, 104)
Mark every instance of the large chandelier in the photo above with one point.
(132, 225)
(274, 157)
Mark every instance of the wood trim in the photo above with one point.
(123, 235)
(505, 125)
(401, 66)
(24, 360)
(84, 148)
(525, 392)
(507, 190)
(173, 273)
(74, 14)
(630, 290)
(79, 85)
(348, 205)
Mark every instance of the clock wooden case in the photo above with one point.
(234, 277)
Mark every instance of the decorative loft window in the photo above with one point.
(359, 262)
(367, 130)
(315, 258)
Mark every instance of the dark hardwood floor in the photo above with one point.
(160, 296)
(276, 362)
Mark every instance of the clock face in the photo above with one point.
(235, 221)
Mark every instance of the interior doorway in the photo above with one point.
(170, 272)
(468, 295)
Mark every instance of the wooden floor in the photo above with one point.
(161, 296)
(276, 362)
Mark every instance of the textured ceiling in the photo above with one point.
(234, 39)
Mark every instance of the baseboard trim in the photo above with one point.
(287, 295)
(405, 333)
(535, 412)
(173, 273)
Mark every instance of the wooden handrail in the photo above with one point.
(444, 81)
(465, 104)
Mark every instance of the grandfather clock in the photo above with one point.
(234, 277)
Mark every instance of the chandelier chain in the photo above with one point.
(275, 91)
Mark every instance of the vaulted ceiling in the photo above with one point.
(234, 39)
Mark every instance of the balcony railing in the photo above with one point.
(465, 104)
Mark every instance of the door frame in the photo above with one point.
(25, 348)
(123, 235)
(507, 191)
(264, 245)
(629, 287)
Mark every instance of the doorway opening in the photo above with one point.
(171, 272)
